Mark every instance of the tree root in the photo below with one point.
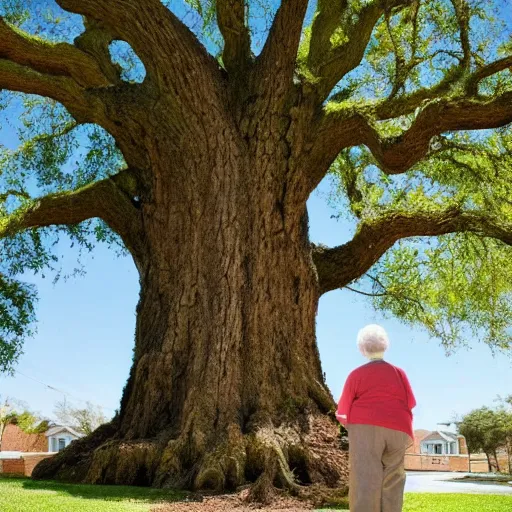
(306, 462)
(266, 455)
(72, 464)
(224, 467)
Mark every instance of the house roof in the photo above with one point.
(441, 435)
(449, 435)
(62, 428)
(420, 434)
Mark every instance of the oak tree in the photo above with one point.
(192, 133)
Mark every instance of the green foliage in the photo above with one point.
(423, 47)
(30, 424)
(7, 415)
(456, 286)
(16, 317)
(44, 19)
(487, 430)
(15, 11)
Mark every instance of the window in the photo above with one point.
(433, 448)
(62, 444)
(453, 448)
(54, 444)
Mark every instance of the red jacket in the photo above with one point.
(380, 394)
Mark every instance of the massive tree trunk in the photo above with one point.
(226, 385)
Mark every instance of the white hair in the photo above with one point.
(372, 341)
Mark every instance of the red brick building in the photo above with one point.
(21, 452)
(437, 451)
(15, 440)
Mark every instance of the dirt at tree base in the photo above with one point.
(235, 503)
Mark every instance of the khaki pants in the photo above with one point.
(377, 474)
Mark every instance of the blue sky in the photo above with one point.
(85, 337)
(86, 330)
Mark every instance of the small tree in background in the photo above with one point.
(485, 431)
(86, 419)
(506, 411)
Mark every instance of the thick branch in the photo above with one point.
(60, 59)
(168, 49)
(341, 265)
(329, 59)
(339, 61)
(231, 18)
(108, 199)
(487, 71)
(396, 155)
(95, 40)
(406, 104)
(277, 61)
(83, 106)
(327, 19)
(80, 77)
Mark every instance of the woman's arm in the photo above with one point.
(411, 400)
(345, 403)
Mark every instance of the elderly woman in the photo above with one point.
(375, 407)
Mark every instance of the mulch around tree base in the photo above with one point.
(234, 503)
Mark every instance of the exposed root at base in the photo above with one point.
(304, 462)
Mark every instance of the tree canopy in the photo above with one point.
(488, 430)
(411, 99)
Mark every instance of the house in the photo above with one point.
(438, 450)
(21, 452)
(60, 436)
(441, 450)
(441, 443)
(55, 439)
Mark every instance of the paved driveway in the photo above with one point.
(444, 483)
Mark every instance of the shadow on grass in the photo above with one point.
(100, 492)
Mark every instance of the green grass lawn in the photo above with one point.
(457, 503)
(454, 503)
(25, 495)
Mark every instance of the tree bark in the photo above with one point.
(226, 385)
(497, 461)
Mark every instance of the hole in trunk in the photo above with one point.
(141, 477)
(122, 54)
(252, 471)
(298, 465)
